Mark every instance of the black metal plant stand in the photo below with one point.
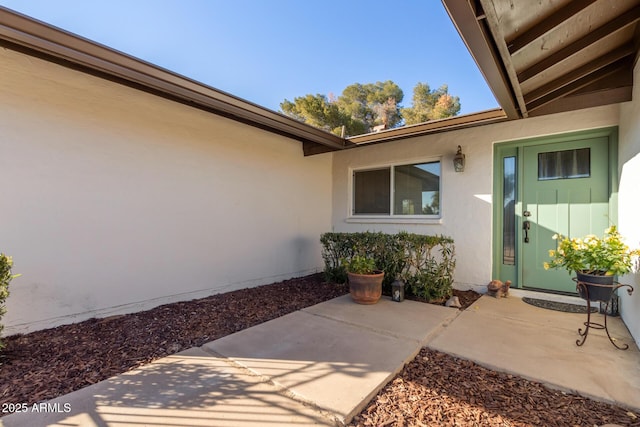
(583, 290)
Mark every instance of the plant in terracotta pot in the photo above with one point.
(596, 261)
(365, 281)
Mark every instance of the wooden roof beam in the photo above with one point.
(586, 100)
(547, 25)
(495, 34)
(578, 84)
(469, 24)
(587, 69)
(622, 21)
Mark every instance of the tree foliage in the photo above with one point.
(315, 110)
(362, 107)
(372, 104)
(430, 104)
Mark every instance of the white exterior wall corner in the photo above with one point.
(628, 200)
(115, 200)
(467, 196)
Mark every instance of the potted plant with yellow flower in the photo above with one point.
(596, 261)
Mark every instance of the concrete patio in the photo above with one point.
(322, 364)
(539, 344)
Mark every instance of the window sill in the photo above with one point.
(392, 220)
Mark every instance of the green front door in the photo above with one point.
(565, 190)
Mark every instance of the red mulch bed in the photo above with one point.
(435, 389)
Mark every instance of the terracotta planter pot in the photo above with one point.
(595, 287)
(366, 288)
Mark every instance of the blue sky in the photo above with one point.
(266, 51)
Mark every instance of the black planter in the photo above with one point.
(594, 287)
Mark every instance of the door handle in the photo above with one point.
(526, 226)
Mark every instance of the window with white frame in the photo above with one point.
(400, 190)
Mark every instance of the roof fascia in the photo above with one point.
(483, 51)
(434, 126)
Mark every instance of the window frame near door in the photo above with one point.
(502, 266)
(391, 215)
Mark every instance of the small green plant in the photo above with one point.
(360, 265)
(608, 255)
(6, 262)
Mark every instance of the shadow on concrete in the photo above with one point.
(191, 388)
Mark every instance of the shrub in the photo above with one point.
(6, 262)
(430, 263)
(425, 263)
(339, 248)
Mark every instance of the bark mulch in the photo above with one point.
(437, 389)
(434, 389)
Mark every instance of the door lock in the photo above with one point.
(526, 226)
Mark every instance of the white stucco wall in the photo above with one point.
(466, 196)
(629, 202)
(114, 200)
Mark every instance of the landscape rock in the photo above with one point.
(454, 301)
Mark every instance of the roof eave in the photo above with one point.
(33, 35)
(434, 126)
(481, 47)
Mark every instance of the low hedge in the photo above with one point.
(425, 263)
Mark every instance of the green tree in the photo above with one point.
(430, 104)
(373, 104)
(361, 107)
(315, 110)
(434, 207)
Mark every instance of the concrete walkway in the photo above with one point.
(321, 365)
(539, 344)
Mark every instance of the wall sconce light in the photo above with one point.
(458, 160)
